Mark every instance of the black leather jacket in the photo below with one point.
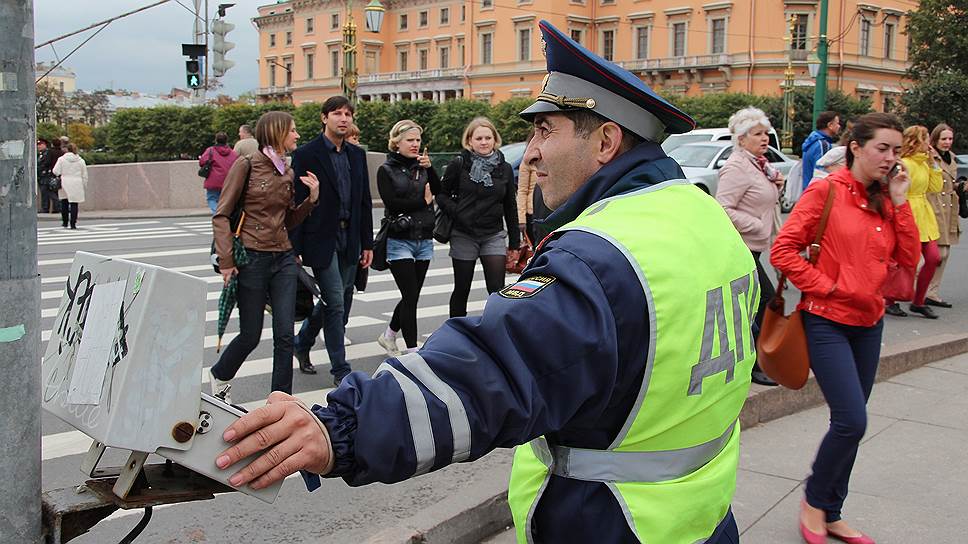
(480, 211)
(401, 182)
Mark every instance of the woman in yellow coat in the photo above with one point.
(926, 178)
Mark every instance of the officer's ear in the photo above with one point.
(609, 142)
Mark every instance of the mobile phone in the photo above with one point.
(895, 170)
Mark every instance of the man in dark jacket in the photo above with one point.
(819, 142)
(617, 313)
(46, 158)
(338, 236)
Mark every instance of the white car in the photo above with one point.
(701, 135)
(701, 162)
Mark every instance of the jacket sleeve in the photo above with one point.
(524, 192)
(484, 382)
(300, 192)
(84, 173)
(297, 213)
(366, 207)
(511, 208)
(393, 203)
(57, 167)
(798, 233)
(201, 158)
(733, 184)
(449, 183)
(221, 230)
(935, 180)
(907, 247)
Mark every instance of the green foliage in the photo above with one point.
(93, 106)
(421, 112)
(509, 124)
(106, 157)
(229, 118)
(452, 117)
(125, 130)
(713, 110)
(102, 137)
(80, 135)
(374, 121)
(51, 104)
(939, 98)
(49, 131)
(937, 35)
(308, 121)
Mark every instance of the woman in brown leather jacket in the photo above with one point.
(269, 211)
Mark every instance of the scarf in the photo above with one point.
(482, 166)
(946, 156)
(764, 165)
(277, 161)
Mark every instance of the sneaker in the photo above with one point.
(895, 310)
(389, 344)
(220, 389)
(923, 310)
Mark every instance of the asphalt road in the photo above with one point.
(334, 513)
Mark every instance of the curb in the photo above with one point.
(483, 511)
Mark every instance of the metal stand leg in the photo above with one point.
(130, 473)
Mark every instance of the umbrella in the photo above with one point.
(229, 296)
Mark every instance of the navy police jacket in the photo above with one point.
(495, 381)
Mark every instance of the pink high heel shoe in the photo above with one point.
(809, 536)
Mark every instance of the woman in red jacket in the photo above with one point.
(870, 225)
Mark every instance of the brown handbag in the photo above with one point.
(524, 255)
(781, 349)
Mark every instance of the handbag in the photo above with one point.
(524, 255)
(962, 199)
(380, 247)
(206, 169)
(781, 348)
(443, 222)
(899, 285)
(306, 290)
(235, 223)
(53, 183)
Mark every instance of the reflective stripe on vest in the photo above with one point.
(672, 465)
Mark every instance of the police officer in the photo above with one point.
(627, 420)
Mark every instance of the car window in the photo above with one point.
(676, 140)
(773, 142)
(695, 156)
(773, 156)
(513, 152)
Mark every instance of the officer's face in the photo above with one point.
(561, 159)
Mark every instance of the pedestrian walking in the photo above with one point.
(819, 142)
(72, 171)
(407, 183)
(926, 178)
(47, 201)
(219, 158)
(478, 193)
(338, 236)
(625, 405)
(49, 194)
(870, 224)
(264, 185)
(247, 144)
(749, 187)
(945, 206)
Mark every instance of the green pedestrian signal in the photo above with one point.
(193, 74)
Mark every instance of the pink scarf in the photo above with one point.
(277, 161)
(764, 165)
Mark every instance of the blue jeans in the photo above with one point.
(211, 195)
(844, 359)
(333, 310)
(271, 273)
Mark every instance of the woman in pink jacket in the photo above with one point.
(222, 157)
(748, 190)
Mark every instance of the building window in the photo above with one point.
(402, 61)
(576, 35)
(642, 42)
(334, 61)
(445, 57)
(310, 25)
(679, 39)
(403, 21)
(423, 56)
(463, 12)
(888, 41)
(800, 27)
(288, 38)
(888, 102)
(272, 73)
(272, 40)
(334, 21)
(288, 73)
(445, 16)
(718, 44)
(487, 4)
(460, 52)
(309, 65)
(424, 18)
(865, 37)
(370, 62)
(487, 40)
(524, 44)
(608, 44)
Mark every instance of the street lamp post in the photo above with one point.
(820, 88)
(786, 137)
(374, 12)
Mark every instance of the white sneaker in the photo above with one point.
(389, 344)
(347, 341)
(220, 388)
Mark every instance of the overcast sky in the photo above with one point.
(142, 52)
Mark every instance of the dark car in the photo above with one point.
(962, 161)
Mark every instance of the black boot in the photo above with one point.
(760, 377)
(895, 310)
(305, 366)
(923, 310)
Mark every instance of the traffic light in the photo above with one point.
(193, 74)
(220, 47)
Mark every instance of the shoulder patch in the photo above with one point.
(527, 287)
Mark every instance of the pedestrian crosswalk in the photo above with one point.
(183, 245)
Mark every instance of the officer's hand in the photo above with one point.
(293, 437)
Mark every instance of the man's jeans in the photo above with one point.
(272, 273)
(211, 196)
(332, 312)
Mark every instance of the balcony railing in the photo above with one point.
(673, 63)
(266, 91)
(440, 73)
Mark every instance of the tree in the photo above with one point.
(447, 125)
(309, 123)
(126, 130)
(92, 106)
(847, 106)
(48, 131)
(939, 98)
(507, 121)
(373, 120)
(80, 134)
(51, 104)
(937, 36)
(419, 111)
(229, 118)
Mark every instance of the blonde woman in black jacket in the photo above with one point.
(479, 193)
(407, 184)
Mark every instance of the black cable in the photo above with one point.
(52, 68)
(137, 530)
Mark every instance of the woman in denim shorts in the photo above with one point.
(407, 184)
(478, 193)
